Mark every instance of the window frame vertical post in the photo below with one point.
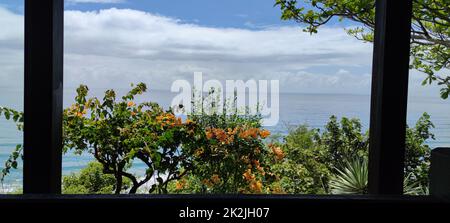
(43, 100)
(389, 96)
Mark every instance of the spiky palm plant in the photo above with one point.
(410, 187)
(352, 178)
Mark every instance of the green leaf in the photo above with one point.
(7, 115)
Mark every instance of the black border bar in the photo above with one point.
(43, 96)
(389, 96)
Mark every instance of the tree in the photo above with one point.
(418, 153)
(344, 140)
(304, 168)
(430, 32)
(119, 132)
(312, 156)
(335, 159)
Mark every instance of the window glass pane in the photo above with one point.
(11, 93)
(428, 103)
(312, 90)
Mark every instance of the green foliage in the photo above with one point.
(412, 186)
(430, 33)
(92, 180)
(13, 159)
(14, 115)
(119, 132)
(344, 140)
(418, 153)
(17, 191)
(11, 162)
(315, 160)
(189, 184)
(228, 155)
(304, 169)
(353, 179)
(313, 156)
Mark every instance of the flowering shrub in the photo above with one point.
(228, 156)
(117, 133)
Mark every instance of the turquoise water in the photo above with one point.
(312, 109)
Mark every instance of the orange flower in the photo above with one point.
(279, 154)
(178, 121)
(230, 139)
(248, 175)
(256, 186)
(170, 117)
(264, 133)
(209, 134)
(180, 184)
(215, 178)
(278, 190)
(232, 132)
(253, 132)
(80, 114)
(189, 122)
(220, 135)
(130, 104)
(243, 135)
(207, 182)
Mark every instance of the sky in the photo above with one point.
(112, 43)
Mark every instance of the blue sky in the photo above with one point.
(230, 13)
(250, 14)
(214, 13)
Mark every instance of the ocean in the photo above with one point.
(311, 109)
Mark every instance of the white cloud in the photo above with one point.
(11, 49)
(114, 47)
(127, 45)
(11, 29)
